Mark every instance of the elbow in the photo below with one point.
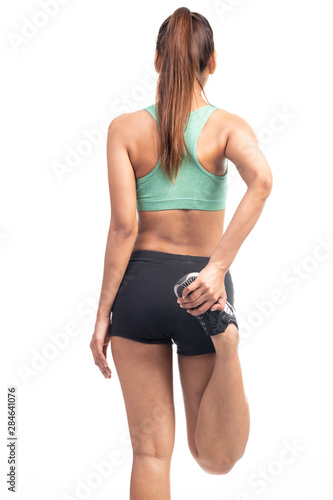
(263, 185)
(266, 186)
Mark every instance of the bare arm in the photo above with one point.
(121, 236)
(243, 150)
(123, 226)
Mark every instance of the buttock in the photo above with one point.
(145, 308)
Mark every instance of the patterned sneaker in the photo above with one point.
(213, 322)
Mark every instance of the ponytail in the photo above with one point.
(185, 45)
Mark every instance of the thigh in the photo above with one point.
(145, 376)
(194, 372)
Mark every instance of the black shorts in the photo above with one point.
(146, 309)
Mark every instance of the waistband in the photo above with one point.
(155, 255)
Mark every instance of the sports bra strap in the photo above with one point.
(201, 116)
(195, 127)
(152, 111)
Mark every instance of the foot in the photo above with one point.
(213, 322)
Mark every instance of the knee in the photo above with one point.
(220, 463)
(218, 467)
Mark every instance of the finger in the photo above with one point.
(107, 369)
(200, 310)
(219, 305)
(106, 372)
(216, 307)
(99, 344)
(190, 288)
(95, 355)
(194, 300)
(99, 361)
(197, 303)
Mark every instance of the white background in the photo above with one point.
(90, 62)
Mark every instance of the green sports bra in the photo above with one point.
(195, 187)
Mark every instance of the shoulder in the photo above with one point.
(125, 120)
(232, 124)
(128, 125)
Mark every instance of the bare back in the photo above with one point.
(182, 231)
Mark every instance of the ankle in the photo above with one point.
(227, 339)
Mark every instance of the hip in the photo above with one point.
(149, 280)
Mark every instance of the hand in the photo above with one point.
(204, 291)
(99, 343)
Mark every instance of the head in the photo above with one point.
(184, 58)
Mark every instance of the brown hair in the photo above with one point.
(185, 44)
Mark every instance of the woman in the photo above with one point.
(168, 161)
